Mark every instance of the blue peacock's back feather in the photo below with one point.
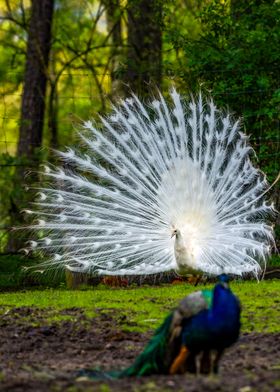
(205, 322)
(217, 327)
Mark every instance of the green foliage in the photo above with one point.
(16, 271)
(7, 168)
(237, 57)
(78, 75)
(10, 271)
(78, 79)
(13, 37)
(15, 192)
(274, 261)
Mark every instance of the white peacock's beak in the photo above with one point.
(172, 235)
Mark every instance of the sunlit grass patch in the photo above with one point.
(143, 308)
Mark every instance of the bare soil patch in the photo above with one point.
(46, 357)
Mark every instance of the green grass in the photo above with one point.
(144, 308)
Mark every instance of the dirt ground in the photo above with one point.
(47, 358)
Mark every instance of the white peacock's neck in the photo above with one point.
(186, 255)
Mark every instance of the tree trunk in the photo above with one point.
(144, 40)
(32, 110)
(52, 115)
(35, 79)
(113, 16)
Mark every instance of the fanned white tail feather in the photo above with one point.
(148, 171)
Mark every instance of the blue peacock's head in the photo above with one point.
(223, 279)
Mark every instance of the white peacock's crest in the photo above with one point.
(148, 170)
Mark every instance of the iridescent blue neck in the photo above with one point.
(225, 304)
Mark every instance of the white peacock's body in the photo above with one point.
(147, 172)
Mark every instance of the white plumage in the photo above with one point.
(159, 187)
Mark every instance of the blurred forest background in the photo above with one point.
(65, 60)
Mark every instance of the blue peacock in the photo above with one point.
(191, 339)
